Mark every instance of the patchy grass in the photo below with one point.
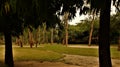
(81, 51)
(115, 54)
(27, 54)
(73, 51)
(53, 53)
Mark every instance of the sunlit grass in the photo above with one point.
(81, 51)
(27, 53)
(73, 51)
(53, 52)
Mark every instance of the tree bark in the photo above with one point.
(104, 35)
(44, 33)
(51, 36)
(91, 31)
(31, 42)
(119, 43)
(8, 50)
(66, 14)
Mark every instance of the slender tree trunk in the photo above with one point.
(36, 37)
(66, 30)
(51, 36)
(8, 50)
(119, 43)
(19, 41)
(91, 31)
(66, 14)
(104, 36)
(30, 38)
(44, 33)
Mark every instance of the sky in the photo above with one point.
(82, 17)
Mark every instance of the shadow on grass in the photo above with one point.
(2, 64)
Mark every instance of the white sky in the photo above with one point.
(82, 17)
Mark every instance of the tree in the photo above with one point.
(52, 40)
(10, 25)
(91, 30)
(115, 28)
(68, 11)
(104, 38)
(15, 12)
(65, 19)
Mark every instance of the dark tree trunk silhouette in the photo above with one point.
(8, 50)
(104, 36)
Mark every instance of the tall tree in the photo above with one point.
(65, 19)
(10, 25)
(115, 28)
(104, 31)
(91, 30)
(68, 11)
(104, 35)
(14, 12)
(52, 33)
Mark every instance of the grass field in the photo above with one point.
(53, 53)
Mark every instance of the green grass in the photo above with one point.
(35, 54)
(53, 53)
(81, 51)
(115, 54)
(74, 51)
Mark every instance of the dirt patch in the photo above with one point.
(42, 64)
(86, 61)
(67, 61)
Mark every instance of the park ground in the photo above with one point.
(58, 56)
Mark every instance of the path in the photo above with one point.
(67, 61)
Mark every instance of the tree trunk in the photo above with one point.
(119, 43)
(19, 41)
(31, 42)
(36, 37)
(66, 14)
(91, 31)
(51, 36)
(44, 33)
(104, 36)
(8, 50)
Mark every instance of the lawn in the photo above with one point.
(53, 53)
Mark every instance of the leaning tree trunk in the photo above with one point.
(104, 35)
(91, 31)
(8, 50)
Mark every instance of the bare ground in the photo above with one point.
(67, 61)
(87, 61)
(43, 64)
